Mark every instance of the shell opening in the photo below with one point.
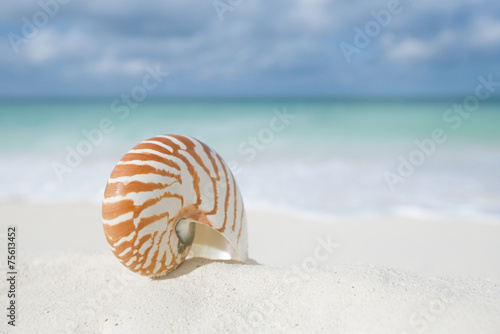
(185, 230)
(205, 241)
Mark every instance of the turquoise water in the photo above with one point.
(328, 157)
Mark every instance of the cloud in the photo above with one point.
(449, 43)
(485, 32)
(260, 48)
(411, 49)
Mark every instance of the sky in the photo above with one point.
(248, 48)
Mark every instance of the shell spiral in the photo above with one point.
(160, 199)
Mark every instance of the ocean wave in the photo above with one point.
(336, 189)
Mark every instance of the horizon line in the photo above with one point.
(260, 98)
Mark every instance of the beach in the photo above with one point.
(250, 167)
(305, 275)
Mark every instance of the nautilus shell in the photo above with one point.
(168, 197)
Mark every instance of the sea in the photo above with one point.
(332, 159)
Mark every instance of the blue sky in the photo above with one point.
(248, 48)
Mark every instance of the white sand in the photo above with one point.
(376, 276)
